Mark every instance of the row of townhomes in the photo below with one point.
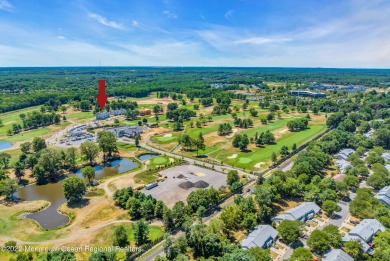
(105, 115)
(265, 236)
(341, 159)
(364, 232)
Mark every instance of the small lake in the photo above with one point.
(147, 156)
(54, 193)
(5, 145)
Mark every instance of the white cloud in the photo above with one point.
(169, 14)
(61, 37)
(229, 14)
(5, 5)
(106, 22)
(135, 23)
(262, 40)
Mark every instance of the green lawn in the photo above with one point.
(249, 159)
(126, 146)
(163, 140)
(276, 124)
(160, 160)
(25, 135)
(194, 132)
(80, 115)
(145, 177)
(9, 118)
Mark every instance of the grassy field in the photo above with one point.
(194, 132)
(12, 117)
(26, 135)
(271, 126)
(162, 139)
(126, 146)
(80, 115)
(254, 155)
(145, 177)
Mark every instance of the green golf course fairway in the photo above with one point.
(249, 159)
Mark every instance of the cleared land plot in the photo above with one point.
(171, 190)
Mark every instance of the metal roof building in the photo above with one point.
(337, 255)
(364, 232)
(384, 196)
(262, 236)
(302, 212)
(304, 93)
(386, 156)
(344, 154)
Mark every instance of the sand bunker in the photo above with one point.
(232, 156)
(186, 185)
(168, 135)
(258, 165)
(199, 174)
(171, 160)
(201, 184)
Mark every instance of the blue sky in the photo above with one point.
(288, 33)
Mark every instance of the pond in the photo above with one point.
(113, 168)
(54, 193)
(147, 156)
(5, 145)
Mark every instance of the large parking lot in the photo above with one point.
(181, 180)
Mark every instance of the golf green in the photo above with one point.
(244, 160)
(165, 139)
(159, 160)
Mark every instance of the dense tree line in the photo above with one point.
(298, 124)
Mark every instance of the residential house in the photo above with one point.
(337, 255)
(386, 156)
(102, 115)
(341, 159)
(384, 196)
(262, 236)
(344, 154)
(303, 212)
(364, 232)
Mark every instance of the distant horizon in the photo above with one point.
(172, 33)
(194, 66)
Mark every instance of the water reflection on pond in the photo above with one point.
(54, 193)
(147, 156)
(5, 145)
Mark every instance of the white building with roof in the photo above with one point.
(364, 232)
(384, 196)
(102, 115)
(337, 255)
(262, 236)
(303, 212)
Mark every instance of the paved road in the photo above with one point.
(220, 168)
